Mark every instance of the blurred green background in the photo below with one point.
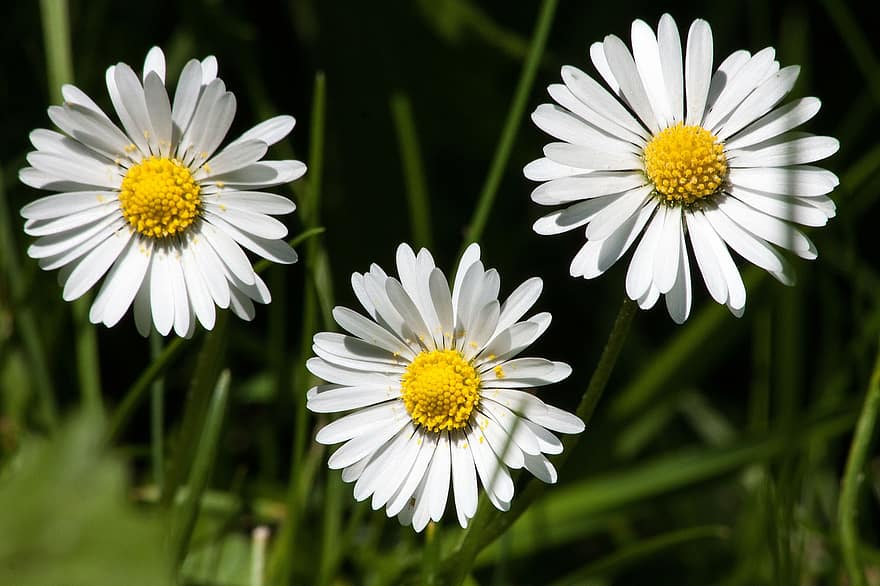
(715, 456)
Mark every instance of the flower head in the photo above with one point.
(154, 206)
(675, 151)
(436, 390)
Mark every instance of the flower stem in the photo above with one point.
(487, 525)
(854, 477)
(511, 125)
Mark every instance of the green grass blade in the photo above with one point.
(511, 125)
(413, 170)
(157, 416)
(854, 478)
(208, 367)
(187, 511)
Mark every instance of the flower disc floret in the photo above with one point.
(159, 197)
(685, 163)
(440, 390)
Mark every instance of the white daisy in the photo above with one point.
(154, 207)
(436, 390)
(675, 150)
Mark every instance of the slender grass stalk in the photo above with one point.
(281, 562)
(854, 477)
(157, 416)
(334, 492)
(59, 62)
(28, 329)
(511, 125)
(208, 368)
(187, 511)
(413, 169)
(487, 524)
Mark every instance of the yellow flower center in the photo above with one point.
(440, 390)
(685, 163)
(159, 197)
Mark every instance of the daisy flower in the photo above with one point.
(153, 206)
(436, 390)
(671, 150)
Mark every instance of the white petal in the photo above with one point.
(161, 298)
(610, 219)
(541, 468)
(362, 445)
(122, 283)
(598, 104)
(464, 478)
(709, 264)
(802, 180)
(142, 317)
(404, 461)
(775, 123)
(587, 157)
(669, 43)
(92, 173)
(270, 131)
(586, 113)
(574, 216)
(186, 96)
(353, 348)
(493, 474)
(233, 157)
(597, 56)
(369, 331)
(761, 101)
(363, 422)
(587, 186)
(519, 302)
(767, 227)
(790, 152)
(254, 201)
(250, 223)
(93, 266)
(782, 206)
(155, 62)
(641, 268)
(159, 111)
(209, 69)
(646, 52)
(678, 299)
(625, 72)
(134, 123)
(562, 125)
(437, 480)
(508, 420)
(723, 75)
(666, 257)
(415, 475)
(740, 85)
(697, 70)
(197, 289)
(597, 256)
(228, 252)
(337, 398)
(182, 314)
(753, 249)
(71, 221)
(544, 169)
(260, 175)
(347, 376)
(212, 270)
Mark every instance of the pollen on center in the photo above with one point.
(685, 163)
(440, 390)
(159, 197)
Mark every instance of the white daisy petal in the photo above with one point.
(627, 75)
(679, 297)
(740, 85)
(464, 478)
(519, 302)
(270, 131)
(753, 249)
(697, 70)
(197, 290)
(121, 284)
(337, 398)
(574, 216)
(597, 256)
(92, 173)
(544, 169)
(776, 122)
(587, 186)
(782, 206)
(790, 152)
(669, 44)
(415, 476)
(767, 227)
(72, 220)
(541, 468)
(611, 218)
(639, 277)
(159, 111)
(600, 62)
(142, 318)
(254, 201)
(801, 180)
(600, 104)
(709, 264)
(93, 266)
(557, 122)
(760, 101)
(74, 95)
(722, 76)
(161, 300)
(134, 127)
(182, 314)
(209, 69)
(494, 476)
(666, 257)
(186, 97)
(234, 157)
(262, 174)
(155, 63)
(646, 52)
(588, 157)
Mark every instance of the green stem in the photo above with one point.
(488, 524)
(157, 415)
(511, 125)
(854, 477)
(56, 36)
